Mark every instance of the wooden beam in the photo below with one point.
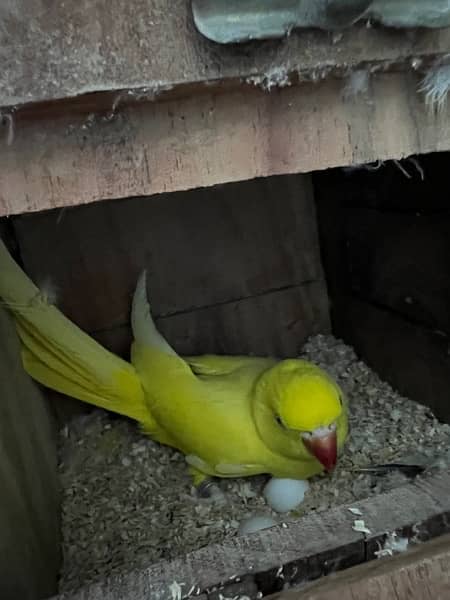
(62, 50)
(215, 138)
(422, 572)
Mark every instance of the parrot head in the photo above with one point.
(307, 412)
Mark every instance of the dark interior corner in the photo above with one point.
(385, 244)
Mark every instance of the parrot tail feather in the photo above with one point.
(61, 356)
(39, 299)
(142, 324)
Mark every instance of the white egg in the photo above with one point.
(255, 523)
(283, 495)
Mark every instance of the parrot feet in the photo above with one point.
(208, 489)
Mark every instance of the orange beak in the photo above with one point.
(324, 448)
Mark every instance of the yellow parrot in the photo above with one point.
(231, 416)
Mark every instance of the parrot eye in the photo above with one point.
(279, 421)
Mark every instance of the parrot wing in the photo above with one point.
(59, 355)
(151, 354)
(144, 329)
(157, 364)
(147, 336)
(212, 364)
(227, 470)
(223, 469)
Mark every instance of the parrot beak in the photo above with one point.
(322, 443)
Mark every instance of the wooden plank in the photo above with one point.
(200, 248)
(275, 323)
(401, 261)
(271, 324)
(29, 499)
(312, 546)
(60, 50)
(415, 360)
(422, 572)
(214, 138)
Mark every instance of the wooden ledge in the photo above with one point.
(315, 545)
(423, 572)
(181, 144)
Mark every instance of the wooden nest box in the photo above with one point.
(273, 190)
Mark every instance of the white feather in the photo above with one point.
(435, 86)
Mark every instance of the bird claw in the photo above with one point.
(209, 490)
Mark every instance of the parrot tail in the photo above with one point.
(142, 324)
(61, 356)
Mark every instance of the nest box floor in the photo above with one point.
(128, 502)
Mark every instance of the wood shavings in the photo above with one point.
(128, 502)
(355, 511)
(175, 590)
(393, 544)
(402, 169)
(360, 526)
(416, 165)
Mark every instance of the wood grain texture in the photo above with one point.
(276, 323)
(232, 269)
(213, 138)
(421, 573)
(200, 248)
(315, 545)
(415, 360)
(59, 50)
(29, 498)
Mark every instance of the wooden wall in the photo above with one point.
(29, 499)
(231, 269)
(386, 249)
